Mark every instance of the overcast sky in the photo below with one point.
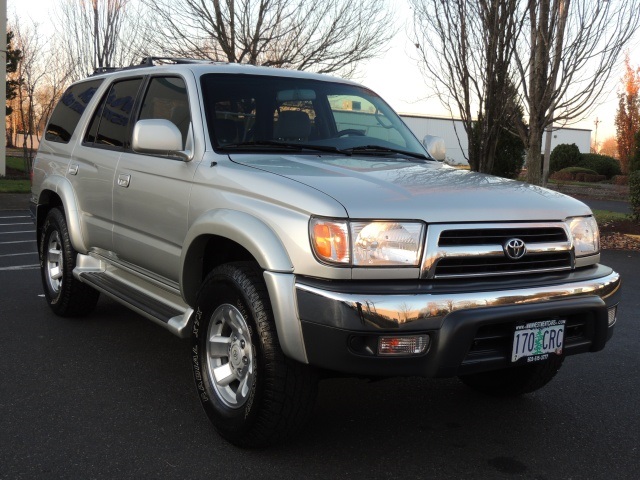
(395, 75)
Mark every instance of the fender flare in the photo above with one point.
(64, 190)
(244, 229)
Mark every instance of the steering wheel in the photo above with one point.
(350, 131)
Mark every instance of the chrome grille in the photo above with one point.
(488, 236)
(495, 265)
(476, 250)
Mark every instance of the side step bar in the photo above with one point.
(147, 302)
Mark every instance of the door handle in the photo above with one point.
(73, 169)
(124, 180)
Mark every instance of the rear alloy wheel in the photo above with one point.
(514, 381)
(252, 393)
(67, 296)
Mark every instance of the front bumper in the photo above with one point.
(470, 323)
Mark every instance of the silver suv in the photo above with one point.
(291, 225)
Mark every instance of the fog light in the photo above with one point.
(405, 345)
(613, 313)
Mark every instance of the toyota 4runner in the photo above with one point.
(290, 224)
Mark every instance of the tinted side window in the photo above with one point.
(167, 98)
(69, 109)
(110, 123)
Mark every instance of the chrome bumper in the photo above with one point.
(427, 310)
(340, 322)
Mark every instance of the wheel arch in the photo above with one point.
(223, 235)
(55, 192)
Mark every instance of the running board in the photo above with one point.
(162, 307)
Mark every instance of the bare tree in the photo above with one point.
(99, 34)
(466, 51)
(561, 60)
(609, 147)
(565, 63)
(30, 72)
(324, 36)
(43, 75)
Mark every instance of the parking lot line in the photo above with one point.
(21, 267)
(18, 254)
(17, 241)
(16, 216)
(23, 231)
(10, 224)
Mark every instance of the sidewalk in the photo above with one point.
(14, 201)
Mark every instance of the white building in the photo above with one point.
(455, 138)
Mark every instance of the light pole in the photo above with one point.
(3, 86)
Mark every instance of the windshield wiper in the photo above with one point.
(271, 144)
(380, 150)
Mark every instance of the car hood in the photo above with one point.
(397, 188)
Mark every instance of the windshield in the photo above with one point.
(261, 113)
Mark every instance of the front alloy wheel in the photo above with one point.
(230, 356)
(252, 393)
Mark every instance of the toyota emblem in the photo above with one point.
(514, 248)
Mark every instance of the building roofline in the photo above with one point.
(447, 117)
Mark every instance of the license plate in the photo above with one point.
(535, 341)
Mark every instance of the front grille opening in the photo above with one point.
(459, 266)
(493, 236)
(493, 343)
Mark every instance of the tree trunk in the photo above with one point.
(534, 165)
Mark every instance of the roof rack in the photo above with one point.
(151, 62)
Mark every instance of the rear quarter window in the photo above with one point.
(69, 109)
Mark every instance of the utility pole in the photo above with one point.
(595, 141)
(3, 86)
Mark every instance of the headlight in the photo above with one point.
(586, 236)
(372, 243)
(380, 244)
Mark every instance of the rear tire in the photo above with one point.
(514, 381)
(252, 393)
(67, 296)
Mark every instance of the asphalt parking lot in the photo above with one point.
(111, 396)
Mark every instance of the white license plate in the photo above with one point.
(536, 340)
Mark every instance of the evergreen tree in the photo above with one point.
(13, 58)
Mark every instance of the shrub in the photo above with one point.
(563, 176)
(634, 194)
(602, 164)
(621, 179)
(563, 156)
(586, 177)
(575, 170)
(570, 174)
(634, 164)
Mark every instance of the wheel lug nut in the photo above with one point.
(245, 360)
(242, 344)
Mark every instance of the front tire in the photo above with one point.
(514, 381)
(251, 392)
(67, 296)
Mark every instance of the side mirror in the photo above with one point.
(159, 136)
(435, 147)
